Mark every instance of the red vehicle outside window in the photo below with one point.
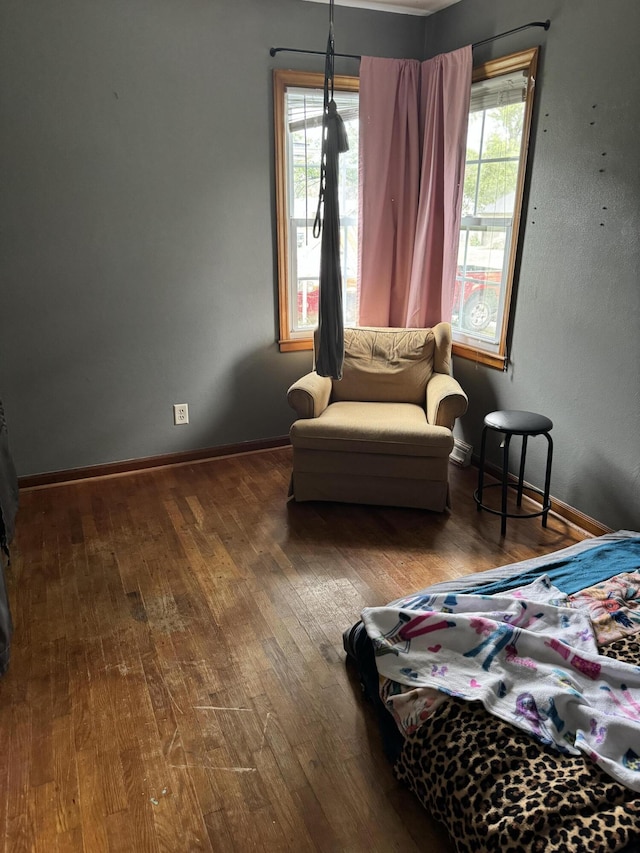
(476, 299)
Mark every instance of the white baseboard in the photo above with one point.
(461, 453)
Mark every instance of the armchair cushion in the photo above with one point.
(400, 429)
(385, 365)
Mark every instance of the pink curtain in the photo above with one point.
(413, 126)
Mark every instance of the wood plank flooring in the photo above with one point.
(177, 680)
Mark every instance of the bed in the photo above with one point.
(514, 780)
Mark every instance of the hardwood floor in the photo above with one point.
(177, 680)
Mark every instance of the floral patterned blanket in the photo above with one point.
(613, 606)
(529, 657)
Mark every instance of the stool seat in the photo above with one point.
(525, 424)
(518, 423)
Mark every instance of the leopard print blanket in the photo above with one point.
(495, 789)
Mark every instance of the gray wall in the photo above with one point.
(575, 344)
(137, 238)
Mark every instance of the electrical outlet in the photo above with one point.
(180, 413)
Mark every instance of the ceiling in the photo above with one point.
(404, 7)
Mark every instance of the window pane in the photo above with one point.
(305, 275)
(474, 135)
(470, 189)
(479, 281)
(305, 260)
(496, 191)
(503, 131)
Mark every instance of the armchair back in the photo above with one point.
(392, 365)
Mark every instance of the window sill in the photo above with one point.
(295, 344)
(479, 356)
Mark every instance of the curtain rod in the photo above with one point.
(545, 24)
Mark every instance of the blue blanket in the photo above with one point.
(577, 572)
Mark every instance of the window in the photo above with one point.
(298, 106)
(497, 143)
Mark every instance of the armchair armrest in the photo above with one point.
(446, 400)
(309, 396)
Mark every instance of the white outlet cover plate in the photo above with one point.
(180, 413)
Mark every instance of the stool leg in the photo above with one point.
(483, 447)
(505, 476)
(521, 476)
(547, 480)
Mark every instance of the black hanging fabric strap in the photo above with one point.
(329, 64)
(330, 354)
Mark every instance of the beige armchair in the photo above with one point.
(383, 433)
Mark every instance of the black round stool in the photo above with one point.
(513, 423)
